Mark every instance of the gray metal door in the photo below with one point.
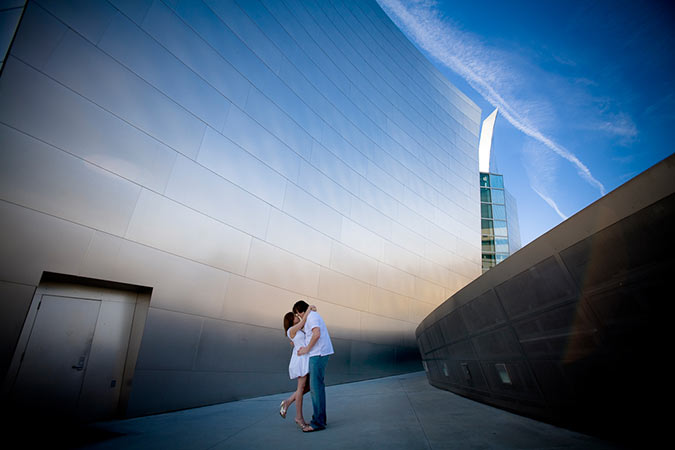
(54, 363)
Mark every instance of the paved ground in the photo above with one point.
(400, 412)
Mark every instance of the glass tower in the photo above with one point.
(494, 224)
(500, 233)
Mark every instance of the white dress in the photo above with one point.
(299, 365)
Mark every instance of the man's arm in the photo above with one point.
(316, 334)
(298, 326)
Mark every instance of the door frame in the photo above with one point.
(68, 285)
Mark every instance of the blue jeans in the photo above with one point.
(317, 386)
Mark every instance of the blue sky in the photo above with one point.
(585, 90)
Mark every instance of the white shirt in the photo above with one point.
(323, 346)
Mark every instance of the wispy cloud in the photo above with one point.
(540, 165)
(486, 69)
(551, 203)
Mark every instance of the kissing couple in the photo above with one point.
(311, 349)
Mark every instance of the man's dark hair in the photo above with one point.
(300, 306)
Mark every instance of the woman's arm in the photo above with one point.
(303, 318)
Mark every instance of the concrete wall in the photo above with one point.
(235, 157)
(577, 318)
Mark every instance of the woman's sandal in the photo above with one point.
(282, 409)
(302, 424)
(308, 429)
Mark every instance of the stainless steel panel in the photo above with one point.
(237, 347)
(279, 268)
(132, 47)
(134, 9)
(342, 322)
(277, 122)
(381, 330)
(100, 259)
(14, 306)
(237, 21)
(320, 186)
(337, 144)
(232, 162)
(371, 218)
(257, 303)
(303, 102)
(435, 272)
(395, 280)
(169, 226)
(170, 31)
(353, 263)
(198, 188)
(96, 76)
(358, 238)
(333, 167)
(419, 310)
(170, 341)
(401, 258)
(440, 236)
(38, 242)
(159, 390)
(46, 110)
(248, 134)
(384, 180)
(88, 17)
(44, 178)
(199, 289)
(343, 290)
(298, 238)
(209, 26)
(428, 291)
(390, 304)
(371, 359)
(307, 209)
(9, 20)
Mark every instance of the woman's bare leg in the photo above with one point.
(289, 401)
(302, 384)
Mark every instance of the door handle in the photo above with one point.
(80, 364)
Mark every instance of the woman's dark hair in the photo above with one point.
(288, 321)
(300, 306)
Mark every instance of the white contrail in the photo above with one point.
(550, 202)
(464, 55)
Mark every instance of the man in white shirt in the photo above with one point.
(319, 347)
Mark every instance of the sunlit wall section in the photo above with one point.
(236, 157)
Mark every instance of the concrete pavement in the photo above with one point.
(399, 412)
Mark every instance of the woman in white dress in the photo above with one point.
(299, 365)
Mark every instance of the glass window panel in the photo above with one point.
(484, 180)
(500, 257)
(488, 261)
(500, 228)
(485, 195)
(496, 181)
(486, 227)
(502, 245)
(486, 210)
(488, 244)
(498, 212)
(497, 196)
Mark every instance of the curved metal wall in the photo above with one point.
(234, 157)
(571, 328)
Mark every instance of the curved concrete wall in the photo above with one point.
(571, 328)
(235, 157)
